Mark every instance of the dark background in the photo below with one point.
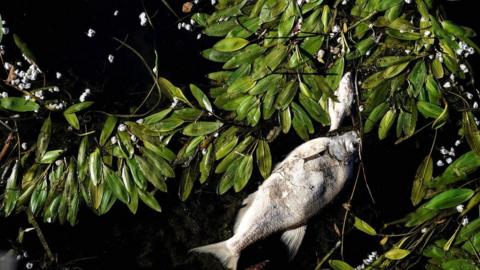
(55, 31)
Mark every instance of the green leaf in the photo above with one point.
(43, 138)
(429, 110)
(468, 231)
(95, 166)
(50, 156)
(228, 178)
(149, 200)
(449, 198)
(246, 56)
(201, 128)
(422, 176)
(107, 129)
(472, 134)
(364, 227)
(418, 75)
(225, 163)
(301, 122)
(189, 175)
(397, 254)
(206, 164)
(72, 119)
(335, 73)
(285, 120)
(161, 150)
(24, 48)
(386, 123)
(168, 124)
(242, 85)
(286, 96)
(225, 143)
(116, 185)
(230, 44)
(201, 98)
(339, 265)
(264, 158)
(11, 190)
(37, 200)
(373, 80)
(157, 117)
(78, 107)
(149, 170)
(459, 264)
(137, 175)
(243, 172)
(18, 104)
(458, 170)
(172, 90)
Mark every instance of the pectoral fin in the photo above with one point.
(293, 239)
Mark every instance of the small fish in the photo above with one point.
(299, 186)
(338, 109)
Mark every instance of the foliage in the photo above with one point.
(281, 62)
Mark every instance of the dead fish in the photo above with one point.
(338, 109)
(299, 186)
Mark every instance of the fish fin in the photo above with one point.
(246, 204)
(221, 251)
(293, 239)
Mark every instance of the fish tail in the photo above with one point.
(220, 250)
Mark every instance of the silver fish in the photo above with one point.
(299, 186)
(342, 106)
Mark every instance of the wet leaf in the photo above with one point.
(364, 227)
(285, 120)
(149, 170)
(157, 117)
(137, 174)
(418, 75)
(397, 253)
(377, 113)
(241, 85)
(386, 123)
(339, 265)
(161, 150)
(420, 216)
(246, 56)
(24, 48)
(228, 178)
(50, 156)
(78, 107)
(206, 164)
(43, 139)
(236, 152)
(429, 110)
(107, 129)
(459, 264)
(149, 200)
(225, 143)
(201, 98)
(116, 185)
(82, 158)
(468, 231)
(449, 198)
(335, 73)
(243, 172)
(172, 90)
(72, 119)
(18, 104)
(189, 175)
(38, 197)
(264, 158)
(11, 190)
(422, 176)
(201, 128)
(95, 166)
(230, 44)
(286, 96)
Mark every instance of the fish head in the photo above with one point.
(344, 146)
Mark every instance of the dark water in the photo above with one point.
(55, 31)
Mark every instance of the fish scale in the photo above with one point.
(298, 188)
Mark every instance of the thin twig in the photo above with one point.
(41, 236)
